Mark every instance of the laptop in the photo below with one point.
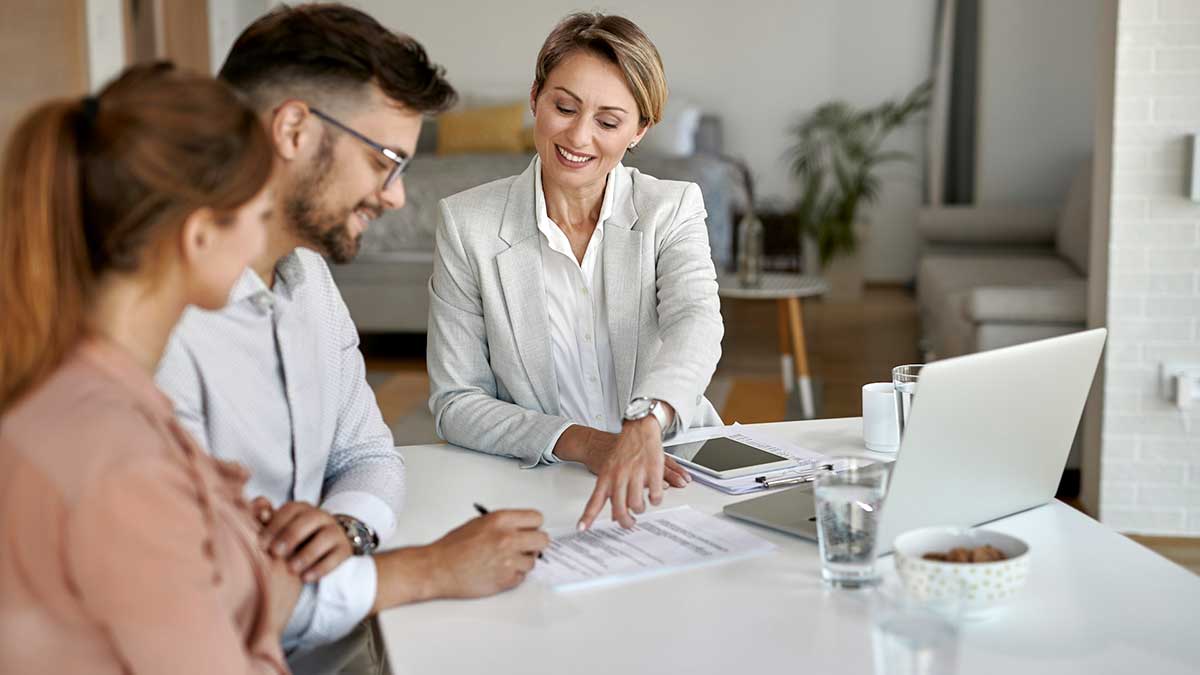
(988, 436)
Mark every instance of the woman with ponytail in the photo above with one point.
(123, 547)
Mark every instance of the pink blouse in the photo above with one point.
(124, 548)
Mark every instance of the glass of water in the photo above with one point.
(848, 505)
(911, 636)
(904, 383)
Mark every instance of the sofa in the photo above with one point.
(385, 286)
(991, 277)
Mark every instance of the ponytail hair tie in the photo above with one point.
(89, 108)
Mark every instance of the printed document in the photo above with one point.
(662, 541)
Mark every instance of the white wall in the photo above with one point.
(1036, 94)
(759, 65)
(1150, 452)
(882, 50)
(226, 20)
(106, 41)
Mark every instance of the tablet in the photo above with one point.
(727, 458)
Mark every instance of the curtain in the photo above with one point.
(950, 171)
(964, 77)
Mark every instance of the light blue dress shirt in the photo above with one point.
(275, 381)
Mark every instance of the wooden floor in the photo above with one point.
(848, 344)
(1184, 551)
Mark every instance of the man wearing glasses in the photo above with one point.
(275, 380)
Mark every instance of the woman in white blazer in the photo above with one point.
(573, 308)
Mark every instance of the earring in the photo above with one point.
(633, 145)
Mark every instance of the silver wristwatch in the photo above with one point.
(363, 539)
(642, 407)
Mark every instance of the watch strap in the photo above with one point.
(660, 414)
(363, 539)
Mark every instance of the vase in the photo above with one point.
(750, 252)
(845, 272)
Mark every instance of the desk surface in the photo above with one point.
(1096, 602)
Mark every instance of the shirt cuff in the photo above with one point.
(343, 598)
(366, 508)
(548, 456)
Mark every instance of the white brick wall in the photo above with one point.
(1150, 456)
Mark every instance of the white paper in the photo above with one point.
(701, 434)
(662, 541)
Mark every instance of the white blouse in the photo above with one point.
(578, 316)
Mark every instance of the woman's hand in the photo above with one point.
(626, 466)
(283, 591)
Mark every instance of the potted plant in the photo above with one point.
(835, 154)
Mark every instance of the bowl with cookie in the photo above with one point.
(980, 570)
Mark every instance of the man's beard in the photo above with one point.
(325, 231)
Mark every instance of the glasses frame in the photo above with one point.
(398, 158)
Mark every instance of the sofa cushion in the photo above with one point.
(987, 225)
(938, 276)
(944, 283)
(1075, 221)
(1054, 302)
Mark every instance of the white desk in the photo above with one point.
(1096, 602)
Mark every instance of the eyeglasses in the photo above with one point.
(397, 157)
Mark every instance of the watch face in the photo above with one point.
(637, 409)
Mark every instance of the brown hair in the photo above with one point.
(621, 42)
(88, 184)
(328, 50)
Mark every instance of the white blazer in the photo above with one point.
(492, 381)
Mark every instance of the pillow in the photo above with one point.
(527, 142)
(490, 129)
(498, 95)
(1075, 222)
(675, 135)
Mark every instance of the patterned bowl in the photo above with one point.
(981, 588)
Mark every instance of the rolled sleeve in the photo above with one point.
(548, 456)
(329, 609)
(366, 508)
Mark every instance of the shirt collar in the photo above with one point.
(247, 285)
(289, 275)
(543, 217)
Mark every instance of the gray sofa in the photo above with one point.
(385, 286)
(992, 277)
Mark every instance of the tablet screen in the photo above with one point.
(725, 454)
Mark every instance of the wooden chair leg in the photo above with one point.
(786, 362)
(800, 353)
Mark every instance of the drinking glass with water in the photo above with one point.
(912, 636)
(904, 383)
(848, 505)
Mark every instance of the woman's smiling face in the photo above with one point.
(585, 119)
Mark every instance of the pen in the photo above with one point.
(483, 512)
(809, 477)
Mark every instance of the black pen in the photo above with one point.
(483, 512)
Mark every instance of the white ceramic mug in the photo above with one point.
(880, 430)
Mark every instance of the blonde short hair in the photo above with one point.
(618, 40)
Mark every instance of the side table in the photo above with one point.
(787, 290)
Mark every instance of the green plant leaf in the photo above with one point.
(834, 154)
